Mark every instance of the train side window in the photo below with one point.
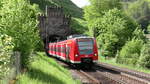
(67, 51)
(63, 49)
(55, 48)
(49, 47)
(58, 49)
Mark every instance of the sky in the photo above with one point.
(81, 3)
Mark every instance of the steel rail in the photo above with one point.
(89, 77)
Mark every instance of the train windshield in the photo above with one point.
(85, 45)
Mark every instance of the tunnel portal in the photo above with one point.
(54, 25)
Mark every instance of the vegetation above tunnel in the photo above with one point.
(68, 6)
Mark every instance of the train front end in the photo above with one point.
(86, 51)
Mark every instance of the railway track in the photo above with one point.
(105, 78)
(109, 77)
(105, 74)
(127, 71)
(128, 76)
(89, 79)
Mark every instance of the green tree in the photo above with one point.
(144, 60)
(139, 34)
(112, 30)
(148, 28)
(18, 20)
(6, 48)
(140, 10)
(130, 52)
(97, 8)
(110, 25)
(78, 26)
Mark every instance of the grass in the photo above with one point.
(113, 62)
(44, 70)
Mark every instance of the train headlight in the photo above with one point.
(95, 54)
(76, 55)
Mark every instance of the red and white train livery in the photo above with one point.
(75, 50)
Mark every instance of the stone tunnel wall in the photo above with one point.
(54, 23)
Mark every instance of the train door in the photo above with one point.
(57, 50)
(49, 51)
(61, 50)
(54, 50)
(64, 51)
(67, 52)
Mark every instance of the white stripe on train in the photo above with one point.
(63, 58)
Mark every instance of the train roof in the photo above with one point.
(72, 37)
(78, 36)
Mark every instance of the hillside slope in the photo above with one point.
(45, 70)
(68, 5)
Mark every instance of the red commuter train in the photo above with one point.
(76, 50)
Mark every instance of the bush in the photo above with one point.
(144, 60)
(6, 48)
(107, 43)
(139, 34)
(148, 29)
(18, 19)
(112, 30)
(130, 52)
(78, 26)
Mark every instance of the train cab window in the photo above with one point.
(85, 45)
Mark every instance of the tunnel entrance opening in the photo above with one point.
(51, 39)
(56, 38)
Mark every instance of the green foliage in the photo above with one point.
(6, 48)
(107, 43)
(53, 73)
(68, 6)
(144, 60)
(103, 5)
(97, 8)
(112, 30)
(78, 26)
(130, 52)
(139, 34)
(111, 26)
(95, 11)
(18, 20)
(140, 10)
(148, 28)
